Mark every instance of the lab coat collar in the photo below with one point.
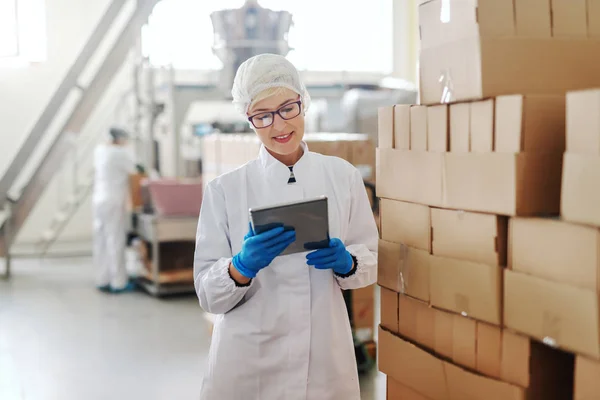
(278, 171)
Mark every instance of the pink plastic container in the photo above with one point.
(173, 198)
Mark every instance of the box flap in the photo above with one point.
(437, 128)
(583, 121)
(463, 385)
(410, 176)
(482, 126)
(489, 349)
(443, 339)
(556, 250)
(388, 266)
(515, 359)
(396, 390)
(411, 366)
(460, 128)
(558, 314)
(389, 310)
(587, 384)
(580, 190)
(401, 126)
(533, 18)
(469, 236)
(385, 127)
(406, 223)
(465, 287)
(464, 341)
(418, 128)
(569, 18)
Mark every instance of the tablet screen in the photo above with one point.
(310, 219)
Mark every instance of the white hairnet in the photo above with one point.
(262, 72)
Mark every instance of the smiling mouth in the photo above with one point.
(283, 138)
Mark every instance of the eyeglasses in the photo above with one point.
(286, 112)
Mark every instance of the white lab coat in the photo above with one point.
(112, 164)
(287, 336)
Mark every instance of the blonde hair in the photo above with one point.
(272, 91)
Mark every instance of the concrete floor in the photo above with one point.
(60, 339)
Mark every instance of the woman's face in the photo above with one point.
(282, 138)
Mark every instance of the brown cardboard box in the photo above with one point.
(533, 18)
(489, 350)
(402, 126)
(389, 310)
(482, 126)
(464, 342)
(580, 195)
(413, 176)
(437, 128)
(479, 67)
(398, 391)
(469, 236)
(438, 379)
(411, 366)
(466, 288)
(385, 127)
(515, 365)
(460, 127)
(558, 314)
(583, 122)
(404, 269)
(587, 384)
(593, 11)
(569, 18)
(533, 123)
(521, 184)
(362, 156)
(135, 187)
(406, 223)
(416, 321)
(442, 21)
(418, 128)
(556, 250)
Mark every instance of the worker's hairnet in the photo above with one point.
(118, 133)
(262, 72)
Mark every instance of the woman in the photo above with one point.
(282, 330)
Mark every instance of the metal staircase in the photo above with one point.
(18, 206)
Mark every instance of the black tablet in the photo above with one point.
(310, 219)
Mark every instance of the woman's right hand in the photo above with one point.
(258, 251)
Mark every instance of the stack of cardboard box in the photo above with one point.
(477, 290)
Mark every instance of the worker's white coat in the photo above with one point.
(112, 164)
(287, 336)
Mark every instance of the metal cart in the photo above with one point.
(157, 230)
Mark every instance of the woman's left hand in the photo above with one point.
(334, 257)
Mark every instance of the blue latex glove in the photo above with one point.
(334, 257)
(258, 251)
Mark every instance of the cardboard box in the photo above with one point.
(385, 127)
(437, 128)
(583, 122)
(418, 128)
(404, 269)
(580, 195)
(435, 378)
(569, 18)
(442, 21)
(481, 238)
(443, 343)
(402, 126)
(557, 314)
(521, 184)
(460, 128)
(533, 123)
(135, 188)
(362, 156)
(413, 176)
(556, 250)
(406, 223)
(467, 288)
(479, 67)
(533, 18)
(417, 321)
(515, 365)
(489, 350)
(587, 384)
(389, 310)
(398, 391)
(593, 11)
(482, 126)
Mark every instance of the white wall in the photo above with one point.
(24, 93)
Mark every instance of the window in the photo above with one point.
(23, 30)
(360, 34)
